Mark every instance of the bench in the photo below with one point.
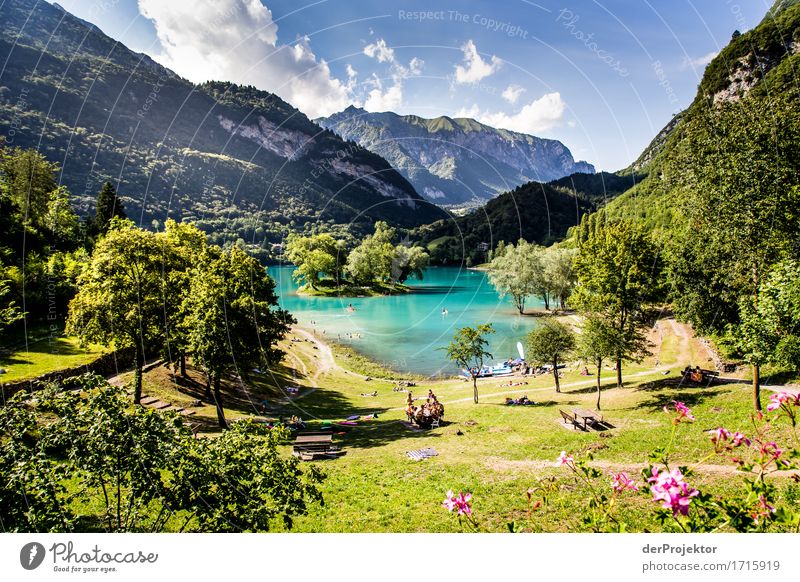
(570, 419)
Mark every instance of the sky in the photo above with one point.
(602, 77)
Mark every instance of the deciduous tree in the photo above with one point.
(468, 350)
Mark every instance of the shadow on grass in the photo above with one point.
(378, 433)
(11, 360)
(537, 404)
(50, 347)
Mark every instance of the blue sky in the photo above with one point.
(602, 77)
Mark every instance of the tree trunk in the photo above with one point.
(218, 402)
(137, 376)
(546, 298)
(183, 364)
(619, 372)
(521, 305)
(757, 386)
(475, 388)
(208, 395)
(555, 374)
(599, 368)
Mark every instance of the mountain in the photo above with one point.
(757, 68)
(241, 162)
(452, 161)
(536, 212)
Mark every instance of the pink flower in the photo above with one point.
(771, 449)
(781, 398)
(672, 491)
(763, 510)
(739, 438)
(621, 482)
(458, 502)
(565, 459)
(720, 435)
(683, 411)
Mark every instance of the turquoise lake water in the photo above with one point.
(404, 331)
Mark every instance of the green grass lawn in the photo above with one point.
(492, 450)
(46, 355)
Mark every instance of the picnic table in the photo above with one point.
(310, 444)
(588, 417)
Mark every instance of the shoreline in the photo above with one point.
(361, 362)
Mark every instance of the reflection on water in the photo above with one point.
(405, 331)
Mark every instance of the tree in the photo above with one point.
(408, 261)
(518, 273)
(139, 469)
(549, 343)
(238, 481)
(559, 274)
(231, 320)
(120, 298)
(599, 340)
(768, 330)
(372, 260)
(734, 175)
(618, 279)
(123, 456)
(29, 182)
(9, 312)
(187, 245)
(32, 493)
(314, 255)
(468, 350)
(108, 206)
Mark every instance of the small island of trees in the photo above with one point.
(376, 266)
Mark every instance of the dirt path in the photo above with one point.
(325, 362)
(503, 465)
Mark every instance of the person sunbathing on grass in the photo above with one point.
(370, 394)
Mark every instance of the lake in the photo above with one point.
(404, 331)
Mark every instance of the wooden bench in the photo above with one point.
(569, 419)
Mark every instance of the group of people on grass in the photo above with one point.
(424, 415)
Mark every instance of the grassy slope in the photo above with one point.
(502, 450)
(45, 355)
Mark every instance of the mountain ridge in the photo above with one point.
(453, 160)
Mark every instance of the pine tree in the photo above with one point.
(108, 207)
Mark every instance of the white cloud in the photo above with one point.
(474, 67)
(512, 93)
(538, 115)
(378, 98)
(380, 51)
(237, 40)
(699, 62)
(388, 100)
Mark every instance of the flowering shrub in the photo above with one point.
(679, 504)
